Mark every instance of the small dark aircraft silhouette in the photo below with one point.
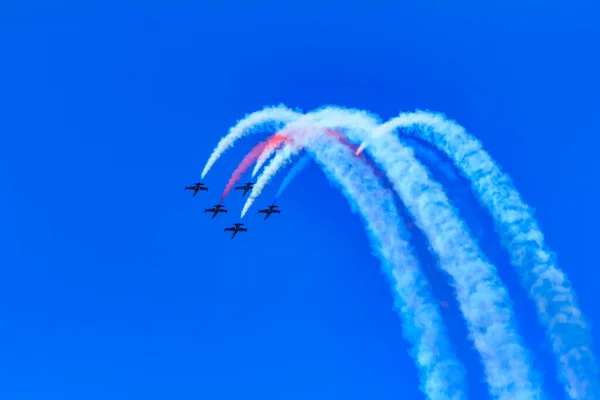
(196, 187)
(216, 210)
(235, 229)
(246, 188)
(269, 210)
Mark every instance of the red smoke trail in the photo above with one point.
(274, 140)
(354, 149)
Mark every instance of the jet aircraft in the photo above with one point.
(216, 210)
(246, 188)
(269, 210)
(235, 229)
(196, 187)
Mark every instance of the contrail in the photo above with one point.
(282, 158)
(298, 129)
(277, 116)
(482, 297)
(294, 171)
(268, 152)
(248, 160)
(263, 158)
(547, 285)
(441, 374)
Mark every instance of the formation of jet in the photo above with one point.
(269, 210)
(196, 187)
(216, 210)
(219, 208)
(235, 229)
(246, 188)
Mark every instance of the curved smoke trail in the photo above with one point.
(482, 297)
(242, 167)
(442, 375)
(294, 172)
(281, 159)
(263, 158)
(547, 285)
(276, 116)
(268, 152)
(300, 128)
(297, 132)
(249, 159)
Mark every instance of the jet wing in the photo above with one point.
(243, 230)
(229, 229)
(240, 187)
(209, 210)
(276, 211)
(203, 188)
(263, 211)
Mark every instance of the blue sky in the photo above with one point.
(116, 285)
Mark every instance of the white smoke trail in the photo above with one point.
(547, 285)
(482, 297)
(282, 158)
(301, 127)
(303, 123)
(441, 374)
(278, 116)
(576, 389)
(264, 157)
(296, 169)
